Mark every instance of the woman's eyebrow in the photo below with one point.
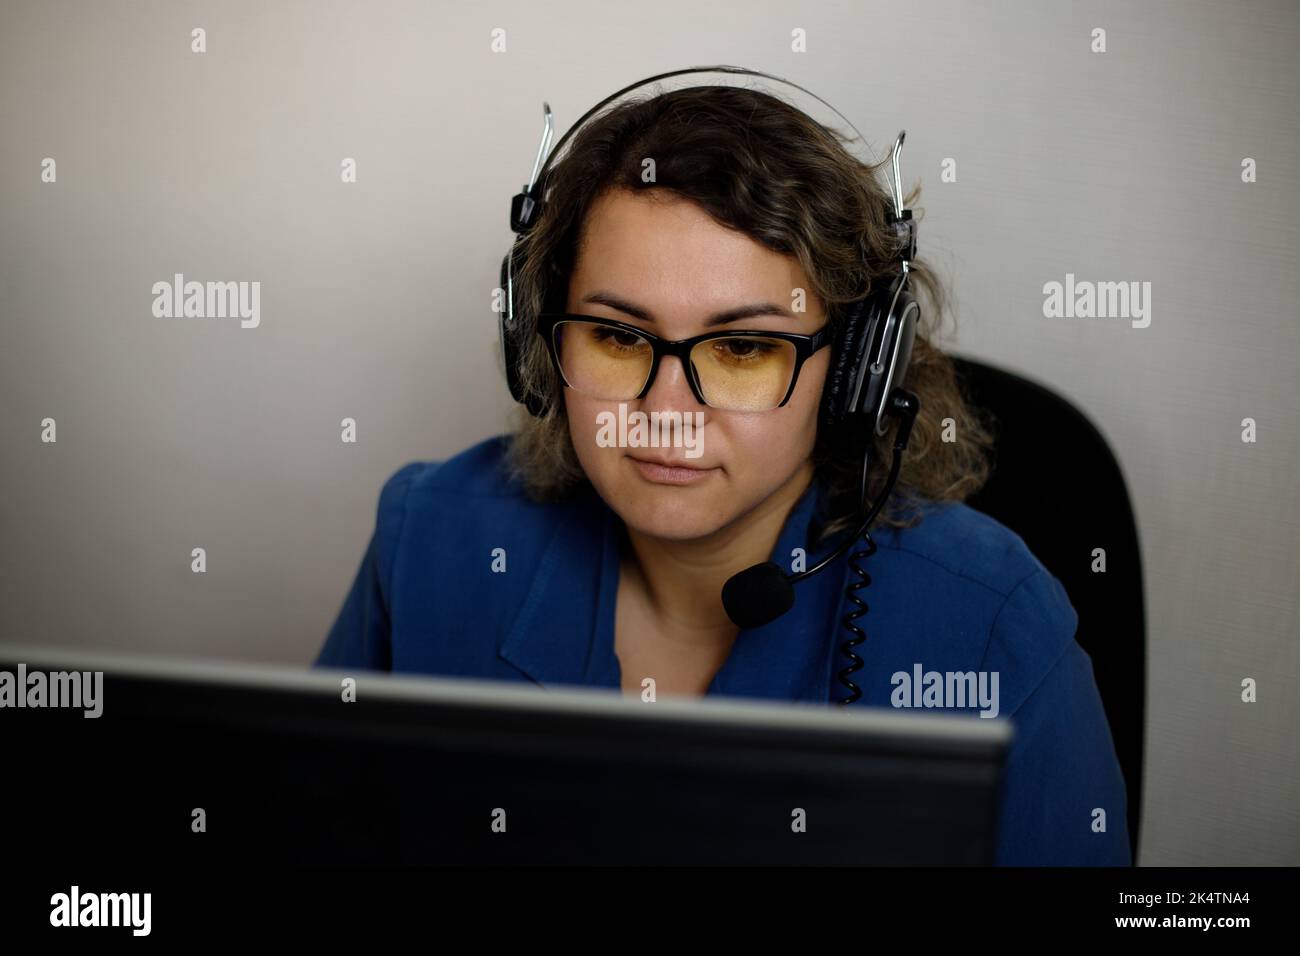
(601, 297)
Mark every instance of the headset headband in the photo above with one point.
(528, 201)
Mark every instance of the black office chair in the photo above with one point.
(1056, 483)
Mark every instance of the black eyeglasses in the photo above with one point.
(732, 371)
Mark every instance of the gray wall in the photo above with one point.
(172, 434)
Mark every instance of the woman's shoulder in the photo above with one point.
(478, 471)
(962, 541)
(1031, 621)
(458, 500)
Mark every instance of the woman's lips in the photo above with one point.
(670, 474)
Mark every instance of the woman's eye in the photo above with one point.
(617, 337)
(740, 348)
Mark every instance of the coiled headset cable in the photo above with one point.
(905, 405)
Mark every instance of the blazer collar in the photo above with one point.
(560, 635)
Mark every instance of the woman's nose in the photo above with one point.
(671, 388)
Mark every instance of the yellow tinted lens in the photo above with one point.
(602, 362)
(744, 372)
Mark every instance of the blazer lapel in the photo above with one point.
(552, 639)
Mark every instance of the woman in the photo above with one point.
(559, 556)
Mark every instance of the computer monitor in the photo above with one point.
(211, 763)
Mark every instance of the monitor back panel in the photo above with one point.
(293, 775)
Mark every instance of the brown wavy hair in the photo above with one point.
(756, 164)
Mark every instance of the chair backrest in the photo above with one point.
(1057, 484)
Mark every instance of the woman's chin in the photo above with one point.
(667, 515)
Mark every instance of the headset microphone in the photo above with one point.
(760, 594)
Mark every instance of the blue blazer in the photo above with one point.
(958, 592)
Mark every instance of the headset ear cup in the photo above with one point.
(907, 337)
(846, 353)
(509, 339)
(882, 326)
(512, 346)
(898, 334)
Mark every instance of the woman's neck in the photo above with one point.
(681, 581)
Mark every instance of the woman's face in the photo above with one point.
(663, 257)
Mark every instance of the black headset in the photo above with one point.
(870, 354)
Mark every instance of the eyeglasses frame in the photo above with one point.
(805, 347)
